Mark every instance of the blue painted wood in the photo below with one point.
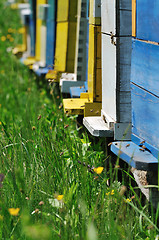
(32, 27)
(145, 115)
(147, 26)
(140, 142)
(131, 153)
(41, 71)
(145, 66)
(75, 92)
(51, 33)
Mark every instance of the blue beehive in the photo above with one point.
(143, 149)
(32, 26)
(50, 38)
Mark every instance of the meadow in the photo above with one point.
(56, 182)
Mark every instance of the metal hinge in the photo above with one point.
(112, 37)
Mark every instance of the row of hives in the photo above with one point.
(106, 54)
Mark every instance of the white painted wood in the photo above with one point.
(116, 17)
(43, 46)
(108, 14)
(68, 77)
(108, 77)
(97, 127)
(24, 13)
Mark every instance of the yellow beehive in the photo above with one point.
(67, 10)
(94, 64)
(65, 47)
(95, 12)
(92, 99)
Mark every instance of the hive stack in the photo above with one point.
(89, 103)
(145, 72)
(66, 36)
(75, 83)
(32, 59)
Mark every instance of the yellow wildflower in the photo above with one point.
(10, 30)
(3, 38)
(8, 36)
(14, 211)
(127, 200)
(98, 170)
(60, 197)
(0, 123)
(108, 193)
(11, 39)
(1, 218)
(21, 30)
(112, 192)
(2, 71)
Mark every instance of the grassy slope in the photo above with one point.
(39, 156)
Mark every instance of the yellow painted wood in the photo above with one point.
(134, 18)
(74, 105)
(29, 61)
(14, 5)
(92, 109)
(93, 20)
(94, 64)
(52, 74)
(67, 10)
(65, 47)
(38, 31)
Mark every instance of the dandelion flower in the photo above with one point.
(8, 36)
(21, 30)
(112, 192)
(3, 38)
(14, 211)
(98, 170)
(10, 30)
(127, 200)
(60, 197)
(11, 39)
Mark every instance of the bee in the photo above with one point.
(141, 149)
(143, 146)
(109, 144)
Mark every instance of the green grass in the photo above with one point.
(42, 155)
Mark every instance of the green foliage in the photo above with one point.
(43, 156)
